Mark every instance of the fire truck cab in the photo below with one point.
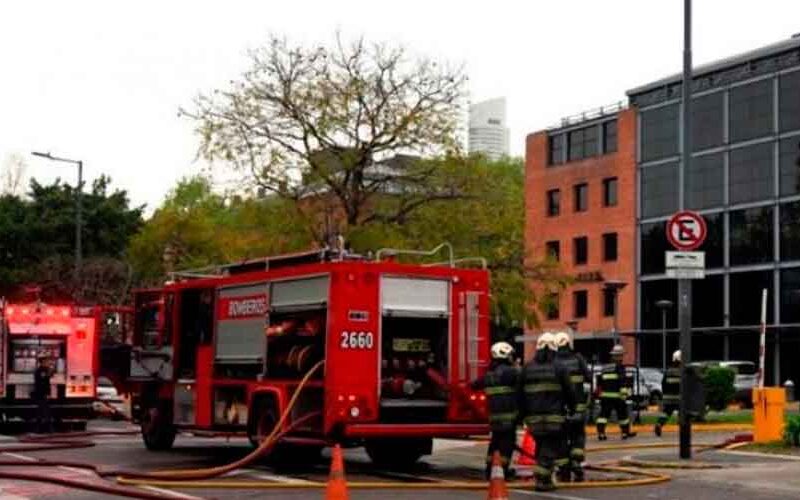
(69, 337)
(223, 351)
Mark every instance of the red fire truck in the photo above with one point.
(222, 351)
(70, 337)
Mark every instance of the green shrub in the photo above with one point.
(718, 382)
(791, 433)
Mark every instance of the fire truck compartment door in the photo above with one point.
(300, 293)
(415, 297)
(241, 319)
(149, 364)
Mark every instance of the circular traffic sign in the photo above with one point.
(686, 230)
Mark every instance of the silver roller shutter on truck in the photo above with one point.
(242, 340)
(415, 297)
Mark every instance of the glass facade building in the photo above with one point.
(744, 178)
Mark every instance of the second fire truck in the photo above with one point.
(223, 350)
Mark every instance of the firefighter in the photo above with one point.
(548, 399)
(501, 385)
(41, 392)
(671, 390)
(613, 395)
(578, 371)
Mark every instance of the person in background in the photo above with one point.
(41, 393)
(501, 385)
(614, 392)
(671, 388)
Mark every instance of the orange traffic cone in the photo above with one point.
(337, 485)
(497, 480)
(525, 461)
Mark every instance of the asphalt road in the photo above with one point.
(747, 477)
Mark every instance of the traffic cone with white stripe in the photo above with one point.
(337, 485)
(525, 456)
(497, 481)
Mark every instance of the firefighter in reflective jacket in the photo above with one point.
(579, 374)
(501, 385)
(671, 387)
(549, 398)
(613, 395)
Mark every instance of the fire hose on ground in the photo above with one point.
(196, 478)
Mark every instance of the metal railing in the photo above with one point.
(590, 115)
(421, 253)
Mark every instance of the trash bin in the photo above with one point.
(769, 407)
(789, 386)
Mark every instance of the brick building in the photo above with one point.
(580, 185)
(744, 178)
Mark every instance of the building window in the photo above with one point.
(659, 190)
(651, 292)
(705, 182)
(708, 121)
(659, 132)
(555, 148)
(790, 166)
(715, 237)
(580, 248)
(581, 192)
(653, 244)
(751, 173)
(790, 231)
(580, 299)
(610, 136)
(554, 250)
(790, 295)
(610, 247)
(582, 143)
(751, 236)
(553, 202)
(551, 306)
(751, 108)
(610, 192)
(746, 297)
(608, 302)
(708, 301)
(789, 86)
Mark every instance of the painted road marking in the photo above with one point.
(549, 495)
(171, 493)
(19, 457)
(83, 472)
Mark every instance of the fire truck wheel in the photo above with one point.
(398, 453)
(158, 432)
(262, 425)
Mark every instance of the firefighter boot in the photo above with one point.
(657, 429)
(601, 432)
(564, 475)
(544, 484)
(577, 473)
(626, 432)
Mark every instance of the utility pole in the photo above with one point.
(685, 285)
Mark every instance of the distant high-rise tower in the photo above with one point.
(487, 128)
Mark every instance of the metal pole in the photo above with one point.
(664, 340)
(79, 226)
(684, 285)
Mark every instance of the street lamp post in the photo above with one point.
(613, 287)
(78, 210)
(664, 305)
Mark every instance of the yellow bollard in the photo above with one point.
(769, 405)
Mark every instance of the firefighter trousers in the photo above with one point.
(618, 405)
(576, 436)
(551, 452)
(44, 417)
(503, 441)
(666, 412)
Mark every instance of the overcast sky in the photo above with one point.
(102, 81)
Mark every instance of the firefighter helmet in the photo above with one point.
(502, 350)
(563, 339)
(546, 341)
(617, 350)
(676, 356)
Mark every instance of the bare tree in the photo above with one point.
(305, 122)
(12, 176)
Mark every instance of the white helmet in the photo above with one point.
(676, 356)
(563, 339)
(546, 341)
(502, 350)
(618, 350)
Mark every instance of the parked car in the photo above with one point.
(641, 391)
(652, 378)
(109, 403)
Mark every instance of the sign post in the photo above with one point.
(686, 231)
